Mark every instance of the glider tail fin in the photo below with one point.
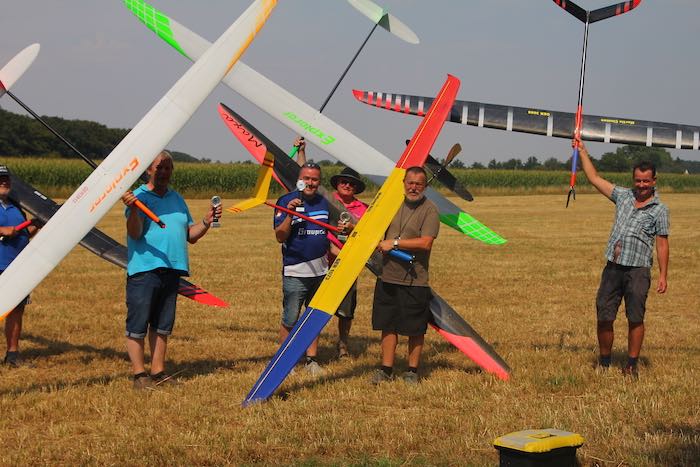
(262, 186)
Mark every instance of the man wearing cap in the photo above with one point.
(304, 252)
(347, 184)
(12, 243)
(402, 293)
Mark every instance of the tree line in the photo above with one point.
(22, 135)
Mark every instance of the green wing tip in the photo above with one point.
(471, 227)
(156, 21)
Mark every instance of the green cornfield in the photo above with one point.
(60, 177)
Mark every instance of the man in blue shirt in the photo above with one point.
(157, 257)
(13, 241)
(304, 252)
(640, 219)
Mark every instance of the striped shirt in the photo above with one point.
(635, 229)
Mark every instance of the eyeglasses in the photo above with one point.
(346, 181)
(311, 165)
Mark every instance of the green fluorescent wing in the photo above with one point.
(155, 21)
(471, 227)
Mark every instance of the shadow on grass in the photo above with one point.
(683, 450)
(65, 384)
(55, 347)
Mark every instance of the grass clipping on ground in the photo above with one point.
(532, 299)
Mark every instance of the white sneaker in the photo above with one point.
(314, 369)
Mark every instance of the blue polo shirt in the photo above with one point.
(10, 216)
(304, 252)
(160, 248)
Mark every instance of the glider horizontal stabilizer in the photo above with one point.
(598, 14)
(42, 208)
(386, 20)
(16, 67)
(546, 122)
(445, 319)
(360, 245)
(314, 126)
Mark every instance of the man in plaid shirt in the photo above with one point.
(640, 219)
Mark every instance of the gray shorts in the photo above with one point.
(618, 282)
(346, 309)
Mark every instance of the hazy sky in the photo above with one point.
(98, 62)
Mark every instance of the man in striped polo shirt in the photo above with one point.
(640, 220)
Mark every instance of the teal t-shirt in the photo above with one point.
(160, 248)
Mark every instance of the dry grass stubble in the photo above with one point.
(532, 299)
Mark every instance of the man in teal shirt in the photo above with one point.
(157, 257)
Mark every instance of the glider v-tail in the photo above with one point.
(445, 319)
(361, 242)
(42, 208)
(297, 115)
(16, 67)
(587, 17)
(133, 154)
(537, 121)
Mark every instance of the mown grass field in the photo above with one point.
(59, 177)
(532, 298)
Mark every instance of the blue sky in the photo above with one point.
(97, 62)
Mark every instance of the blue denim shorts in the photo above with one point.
(150, 301)
(297, 292)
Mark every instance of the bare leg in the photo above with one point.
(415, 347)
(389, 341)
(134, 347)
(606, 337)
(344, 325)
(159, 344)
(313, 349)
(284, 332)
(634, 339)
(13, 328)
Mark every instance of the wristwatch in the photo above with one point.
(396, 244)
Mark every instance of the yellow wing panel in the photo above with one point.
(360, 245)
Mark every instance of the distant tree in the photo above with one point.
(512, 164)
(493, 164)
(531, 163)
(478, 165)
(455, 164)
(553, 164)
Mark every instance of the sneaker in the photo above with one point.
(410, 377)
(12, 360)
(314, 369)
(164, 379)
(630, 371)
(342, 350)
(379, 377)
(143, 381)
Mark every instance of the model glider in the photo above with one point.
(445, 319)
(537, 121)
(361, 242)
(297, 115)
(16, 67)
(380, 17)
(42, 208)
(133, 154)
(587, 17)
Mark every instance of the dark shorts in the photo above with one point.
(401, 309)
(346, 309)
(618, 282)
(25, 301)
(297, 292)
(151, 298)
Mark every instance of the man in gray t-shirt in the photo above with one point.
(402, 294)
(640, 220)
